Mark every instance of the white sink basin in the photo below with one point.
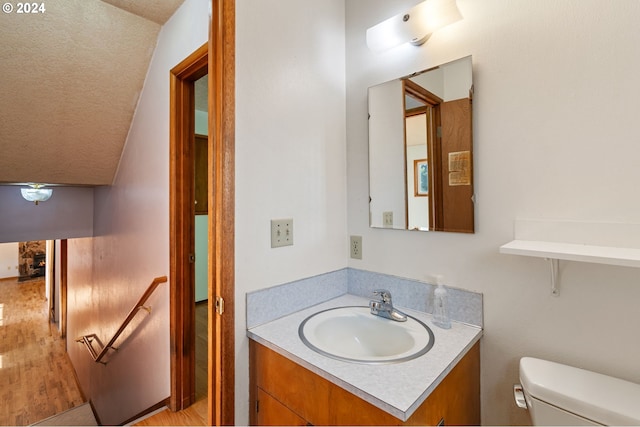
(354, 334)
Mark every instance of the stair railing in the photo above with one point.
(88, 340)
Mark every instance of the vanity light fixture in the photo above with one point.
(36, 193)
(414, 26)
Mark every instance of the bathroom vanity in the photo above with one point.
(283, 392)
(290, 384)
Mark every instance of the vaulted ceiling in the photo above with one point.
(70, 79)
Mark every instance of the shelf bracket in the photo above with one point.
(555, 267)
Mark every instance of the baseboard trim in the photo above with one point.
(162, 405)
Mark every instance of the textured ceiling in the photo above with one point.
(158, 11)
(71, 78)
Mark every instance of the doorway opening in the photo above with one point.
(216, 60)
(201, 238)
(40, 260)
(183, 228)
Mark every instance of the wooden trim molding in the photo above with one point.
(221, 409)
(63, 288)
(181, 223)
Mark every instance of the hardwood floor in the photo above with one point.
(194, 415)
(201, 350)
(36, 376)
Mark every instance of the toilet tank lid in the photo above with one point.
(600, 398)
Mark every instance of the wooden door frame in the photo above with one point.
(62, 316)
(217, 58)
(182, 226)
(222, 31)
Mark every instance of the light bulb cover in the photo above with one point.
(36, 193)
(414, 26)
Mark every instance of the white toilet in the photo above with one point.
(557, 394)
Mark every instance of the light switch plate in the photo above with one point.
(281, 232)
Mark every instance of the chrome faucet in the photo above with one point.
(384, 306)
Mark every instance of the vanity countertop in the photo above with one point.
(397, 388)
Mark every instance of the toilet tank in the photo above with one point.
(558, 394)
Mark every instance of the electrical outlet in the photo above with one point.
(355, 246)
(387, 219)
(281, 232)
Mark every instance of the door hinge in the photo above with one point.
(439, 132)
(192, 258)
(257, 406)
(219, 305)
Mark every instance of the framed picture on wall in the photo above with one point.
(421, 177)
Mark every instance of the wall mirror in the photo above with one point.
(421, 150)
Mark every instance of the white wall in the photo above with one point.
(202, 122)
(9, 260)
(202, 228)
(388, 132)
(109, 273)
(67, 214)
(202, 264)
(416, 138)
(290, 149)
(555, 136)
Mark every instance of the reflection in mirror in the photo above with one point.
(420, 150)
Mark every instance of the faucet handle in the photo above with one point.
(384, 294)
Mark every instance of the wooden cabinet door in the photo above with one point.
(270, 412)
(289, 394)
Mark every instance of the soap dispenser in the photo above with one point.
(440, 306)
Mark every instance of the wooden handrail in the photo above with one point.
(87, 340)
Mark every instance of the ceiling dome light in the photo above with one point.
(36, 193)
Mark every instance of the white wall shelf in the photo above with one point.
(553, 240)
(627, 257)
